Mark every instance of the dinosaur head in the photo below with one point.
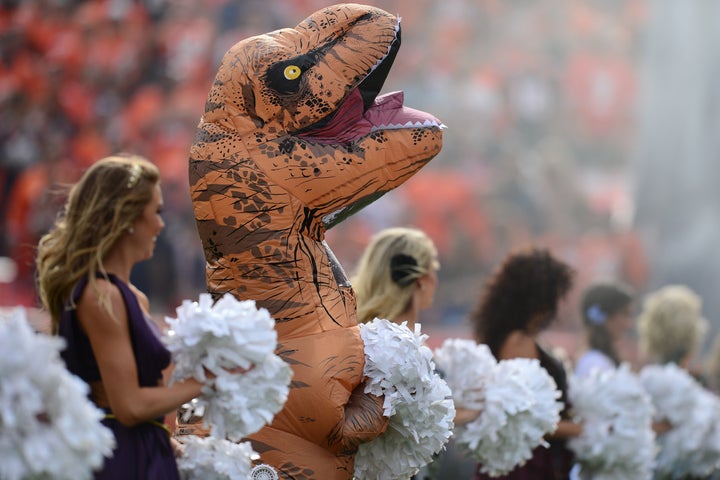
(319, 81)
(294, 116)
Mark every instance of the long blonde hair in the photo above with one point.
(100, 208)
(388, 269)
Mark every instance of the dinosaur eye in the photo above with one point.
(292, 72)
(287, 77)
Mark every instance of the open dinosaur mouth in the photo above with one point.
(363, 111)
(351, 121)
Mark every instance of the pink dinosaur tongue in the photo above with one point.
(350, 122)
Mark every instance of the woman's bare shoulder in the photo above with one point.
(102, 302)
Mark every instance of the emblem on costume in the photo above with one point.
(263, 472)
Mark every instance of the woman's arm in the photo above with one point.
(465, 415)
(110, 340)
(567, 429)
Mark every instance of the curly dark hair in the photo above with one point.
(529, 282)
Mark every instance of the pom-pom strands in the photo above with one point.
(213, 458)
(517, 398)
(48, 427)
(691, 448)
(222, 339)
(468, 368)
(400, 367)
(617, 441)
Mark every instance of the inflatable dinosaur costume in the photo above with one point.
(292, 141)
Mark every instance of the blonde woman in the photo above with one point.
(671, 326)
(396, 279)
(396, 276)
(110, 222)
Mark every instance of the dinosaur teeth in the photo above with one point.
(397, 29)
(408, 124)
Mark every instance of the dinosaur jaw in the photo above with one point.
(352, 122)
(389, 113)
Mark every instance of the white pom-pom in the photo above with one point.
(214, 458)
(520, 408)
(467, 368)
(517, 398)
(223, 338)
(48, 427)
(617, 440)
(400, 367)
(691, 448)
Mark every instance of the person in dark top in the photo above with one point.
(520, 301)
(109, 223)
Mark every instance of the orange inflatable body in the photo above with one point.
(293, 140)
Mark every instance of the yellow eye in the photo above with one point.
(292, 72)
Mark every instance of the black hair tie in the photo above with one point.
(402, 269)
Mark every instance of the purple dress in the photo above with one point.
(142, 451)
(555, 461)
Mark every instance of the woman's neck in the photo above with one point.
(119, 266)
(410, 316)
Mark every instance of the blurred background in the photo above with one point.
(589, 127)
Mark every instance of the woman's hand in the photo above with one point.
(567, 429)
(237, 370)
(661, 427)
(465, 415)
(177, 447)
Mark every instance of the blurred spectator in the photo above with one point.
(712, 366)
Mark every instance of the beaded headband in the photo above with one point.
(135, 171)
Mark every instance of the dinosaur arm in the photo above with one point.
(364, 419)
